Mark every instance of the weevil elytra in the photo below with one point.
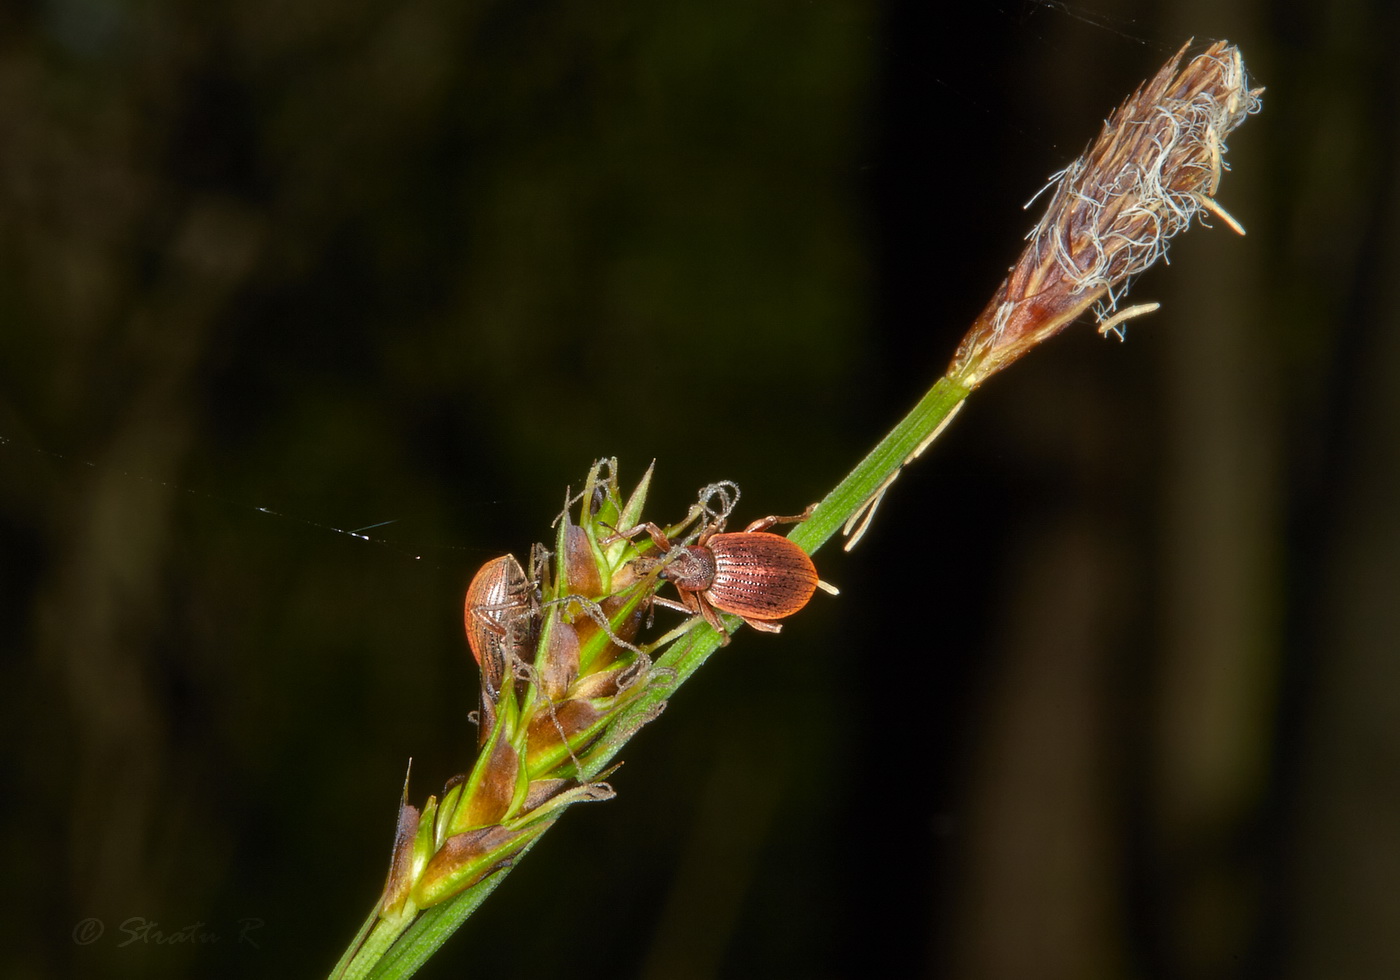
(499, 615)
(753, 574)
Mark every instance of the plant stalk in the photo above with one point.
(395, 949)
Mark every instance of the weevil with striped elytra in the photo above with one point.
(753, 574)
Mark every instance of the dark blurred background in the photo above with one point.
(1111, 689)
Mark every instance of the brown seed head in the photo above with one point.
(1154, 167)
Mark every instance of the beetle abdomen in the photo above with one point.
(760, 575)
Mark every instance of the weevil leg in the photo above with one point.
(762, 625)
(696, 609)
(697, 511)
(657, 600)
(539, 564)
(764, 523)
(658, 536)
(711, 616)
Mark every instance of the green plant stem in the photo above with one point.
(882, 463)
(432, 927)
(885, 460)
(370, 947)
(357, 950)
(393, 951)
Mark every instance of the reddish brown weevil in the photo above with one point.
(752, 574)
(498, 617)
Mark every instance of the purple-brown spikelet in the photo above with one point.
(1155, 166)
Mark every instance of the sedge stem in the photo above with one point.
(393, 950)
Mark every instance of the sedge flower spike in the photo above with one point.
(1154, 168)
